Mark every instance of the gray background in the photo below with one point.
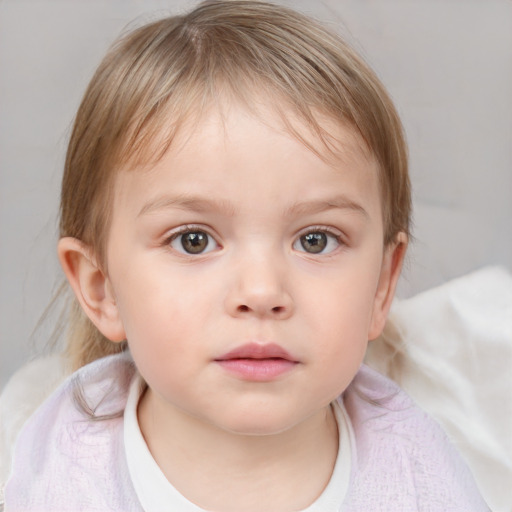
(447, 64)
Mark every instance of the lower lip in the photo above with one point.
(258, 370)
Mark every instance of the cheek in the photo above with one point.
(344, 299)
(164, 317)
(151, 313)
(340, 318)
(344, 335)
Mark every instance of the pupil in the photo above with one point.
(314, 242)
(195, 242)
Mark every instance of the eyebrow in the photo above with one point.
(188, 203)
(203, 204)
(340, 202)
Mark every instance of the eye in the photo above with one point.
(193, 241)
(317, 242)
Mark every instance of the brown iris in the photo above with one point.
(314, 242)
(194, 242)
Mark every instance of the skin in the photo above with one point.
(253, 192)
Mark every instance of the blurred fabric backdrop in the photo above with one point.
(447, 64)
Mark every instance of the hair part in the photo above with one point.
(163, 74)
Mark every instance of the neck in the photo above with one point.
(224, 471)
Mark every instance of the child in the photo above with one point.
(234, 216)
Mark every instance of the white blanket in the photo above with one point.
(456, 343)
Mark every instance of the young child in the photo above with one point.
(234, 216)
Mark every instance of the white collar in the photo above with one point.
(154, 490)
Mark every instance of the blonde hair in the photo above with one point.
(157, 76)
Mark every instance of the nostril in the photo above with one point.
(245, 309)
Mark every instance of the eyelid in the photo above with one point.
(330, 231)
(186, 228)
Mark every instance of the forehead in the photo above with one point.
(331, 139)
(230, 152)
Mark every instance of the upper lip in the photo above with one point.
(257, 351)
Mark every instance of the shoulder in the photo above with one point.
(66, 448)
(403, 454)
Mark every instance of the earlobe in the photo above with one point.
(91, 286)
(390, 272)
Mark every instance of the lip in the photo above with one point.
(257, 362)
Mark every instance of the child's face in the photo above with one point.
(247, 272)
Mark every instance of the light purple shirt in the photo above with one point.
(63, 461)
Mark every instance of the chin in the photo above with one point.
(258, 425)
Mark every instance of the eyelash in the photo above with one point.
(329, 232)
(183, 230)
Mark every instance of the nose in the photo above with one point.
(259, 289)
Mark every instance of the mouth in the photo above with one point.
(258, 363)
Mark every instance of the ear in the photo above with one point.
(392, 262)
(91, 286)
